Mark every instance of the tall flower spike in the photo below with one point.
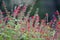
(31, 8)
(54, 22)
(57, 12)
(54, 18)
(24, 8)
(17, 12)
(5, 7)
(36, 13)
(23, 11)
(36, 16)
(28, 25)
(28, 13)
(0, 12)
(46, 14)
(47, 18)
(3, 4)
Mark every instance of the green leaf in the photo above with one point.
(11, 22)
(1, 38)
(17, 27)
(1, 25)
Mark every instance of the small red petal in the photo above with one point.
(46, 14)
(32, 17)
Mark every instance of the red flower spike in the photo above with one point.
(16, 13)
(58, 22)
(57, 12)
(37, 18)
(51, 23)
(46, 14)
(18, 8)
(43, 21)
(22, 29)
(24, 8)
(55, 18)
(58, 26)
(32, 17)
(3, 12)
(28, 25)
(33, 24)
(3, 3)
(2, 26)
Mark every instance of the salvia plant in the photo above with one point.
(28, 28)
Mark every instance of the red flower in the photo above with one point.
(24, 8)
(18, 8)
(51, 22)
(58, 26)
(32, 17)
(37, 18)
(22, 29)
(28, 25)
(57, 12)
(2, 26)
(58, 22)
(46, 14)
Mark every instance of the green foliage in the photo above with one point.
(1, 37)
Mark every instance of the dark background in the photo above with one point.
(45, 6)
